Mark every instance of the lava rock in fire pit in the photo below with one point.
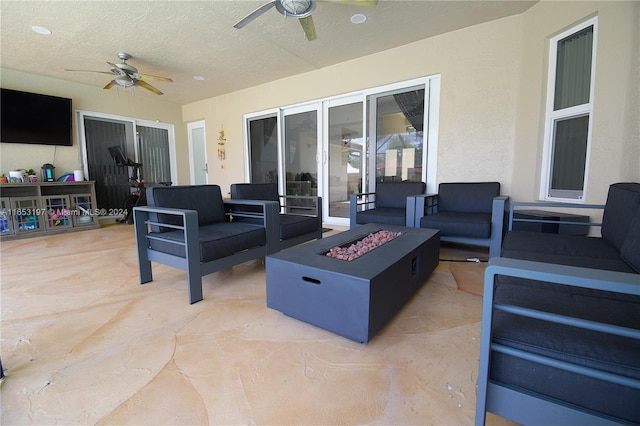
(360, 247)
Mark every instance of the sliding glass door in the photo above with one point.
(148, 143)
(343, 152)
(342, 146)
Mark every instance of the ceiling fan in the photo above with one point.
(128, 76)
(301, 9)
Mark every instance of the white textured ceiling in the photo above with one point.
(180, 39)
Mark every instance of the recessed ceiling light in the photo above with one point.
(41, 30)
(358, 18)
(198, 77)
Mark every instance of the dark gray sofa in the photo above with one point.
(561, 323)
(191, 228)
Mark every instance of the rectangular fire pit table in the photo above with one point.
(357, 298)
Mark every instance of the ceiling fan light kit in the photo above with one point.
(296, 8)
(302, 9)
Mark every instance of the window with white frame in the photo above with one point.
(569, 112)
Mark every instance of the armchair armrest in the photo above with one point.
(360, 202)
(268, 211)
(310, 205)
(269, 215)
(498, 210)
(422, 205)
(523, 407)
(189, 226)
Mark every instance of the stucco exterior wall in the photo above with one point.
(615, 151)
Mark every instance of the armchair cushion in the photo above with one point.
(216, 240)
(255, 191)
(205, 199)
(293, 225)
(383, 215)
(476, 225)
(394, 194)
(467, 197)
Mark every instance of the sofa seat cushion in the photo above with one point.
(216, 241)
(474, 225)
(571, 250)
(293, 225)
(383, 215)
(613, 354)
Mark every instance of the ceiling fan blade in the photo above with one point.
(366, 3)
(156, 77)
(99, 72)
(308, 27)
(149, 87)
(253, 15)
(109, 84)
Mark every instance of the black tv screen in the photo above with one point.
(34, 118)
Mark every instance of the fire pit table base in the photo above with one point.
(357, 298)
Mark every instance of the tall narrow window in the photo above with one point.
(569, 112)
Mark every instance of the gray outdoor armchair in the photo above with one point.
(387, 205)
(466, 212)
(300, 217)
(191, 228)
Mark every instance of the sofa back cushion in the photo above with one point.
(621, 207)
(255, 191)
(467, 197)
(630, 251)
(394, 194)
(205, 199)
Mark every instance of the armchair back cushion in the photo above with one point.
(205, 199)
(474, 197)
(255, 191)
(394, 194)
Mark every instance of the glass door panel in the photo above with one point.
(345, 152)
(398, 121)
(300, 152)
(153, 154)
(263, 149)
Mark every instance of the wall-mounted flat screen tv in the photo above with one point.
(34, 118)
